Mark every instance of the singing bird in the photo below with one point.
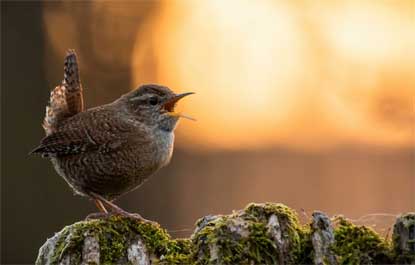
(107, 151)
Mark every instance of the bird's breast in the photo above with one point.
(164, 142)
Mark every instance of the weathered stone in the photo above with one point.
(90, 251)
(404, 238)
(137, 253)
(260, 234)
(322, 237)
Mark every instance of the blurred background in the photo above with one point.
(308, 103)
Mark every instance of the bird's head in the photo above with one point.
(154, 105)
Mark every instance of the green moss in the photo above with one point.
(262, 249)
(60, 245)
(114, 234)
(304, 255)
(404, 225)
(108, 232)
(219, 238)
(359, 245)
(300, 242)
(177, 251)
(262, 212)
(244, 237)
(229, 247)
(206, 236)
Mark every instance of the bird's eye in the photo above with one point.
(153, 100)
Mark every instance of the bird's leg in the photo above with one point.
(100, 206)
(103, 212)
(117, 210)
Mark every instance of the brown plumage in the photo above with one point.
(66, 99)
(109, 150)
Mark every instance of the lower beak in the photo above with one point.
(181, 115)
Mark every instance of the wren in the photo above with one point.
(107, 151)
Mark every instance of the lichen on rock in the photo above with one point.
(260, 234)
(322, 238)
(114, 240)
(404, 239)
(265, 233)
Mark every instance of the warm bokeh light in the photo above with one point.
(369, 31)
(237, 64)
(271, 72)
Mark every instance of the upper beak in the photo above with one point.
(170, 103)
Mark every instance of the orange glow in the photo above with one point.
(236, 63)
(297, 74)
(372, 33)
(274, 73)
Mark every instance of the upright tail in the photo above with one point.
(66, 99)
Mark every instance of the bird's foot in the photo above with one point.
(99, 215)
(103, 204)
(133, 216)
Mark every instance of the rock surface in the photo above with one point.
(322, 238)
(404, 239)
(260, 234)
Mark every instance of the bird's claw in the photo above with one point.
(99, 215)
(133, 216)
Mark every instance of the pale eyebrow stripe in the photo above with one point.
(139, 97)
(135, 98)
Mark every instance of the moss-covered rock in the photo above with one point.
(404, 239)
(322, 238)
(360, 244)
(260, 234)
(114, 240)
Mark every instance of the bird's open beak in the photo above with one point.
(171, 103)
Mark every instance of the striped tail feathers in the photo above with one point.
(71, 72)
(66, 99)
(72, 84)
